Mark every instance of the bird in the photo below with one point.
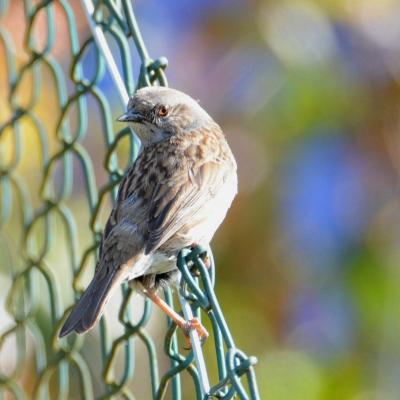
(175, 195)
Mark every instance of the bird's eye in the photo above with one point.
(162, 111)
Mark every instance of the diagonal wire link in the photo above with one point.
(47, 247)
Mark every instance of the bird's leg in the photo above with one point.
(186, 326)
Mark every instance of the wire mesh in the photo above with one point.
(44, 167)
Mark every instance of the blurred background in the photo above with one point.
(308, 95)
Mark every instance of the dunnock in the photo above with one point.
(175, 195)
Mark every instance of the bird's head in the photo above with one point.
(157, 113)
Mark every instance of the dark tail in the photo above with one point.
(90, 306)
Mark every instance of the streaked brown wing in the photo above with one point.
(175, 201)
(129, 209)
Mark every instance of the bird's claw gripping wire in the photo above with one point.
(194, 324)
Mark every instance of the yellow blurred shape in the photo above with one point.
(284, 375)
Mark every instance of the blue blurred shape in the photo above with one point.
(323, 205)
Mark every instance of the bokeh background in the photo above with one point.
(308, 95)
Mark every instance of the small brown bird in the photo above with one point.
(175, 195)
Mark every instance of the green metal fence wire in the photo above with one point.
(36, 219)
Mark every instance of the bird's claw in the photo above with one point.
(194, 323)
(207, 261)
(205, 258)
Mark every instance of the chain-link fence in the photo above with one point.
(55, 185)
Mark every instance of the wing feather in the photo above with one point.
(161, 206)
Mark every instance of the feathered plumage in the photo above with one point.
(175, 194)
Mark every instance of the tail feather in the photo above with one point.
(91, 304)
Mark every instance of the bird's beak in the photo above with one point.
(131, 116)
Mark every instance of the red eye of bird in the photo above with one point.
(162, 111)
